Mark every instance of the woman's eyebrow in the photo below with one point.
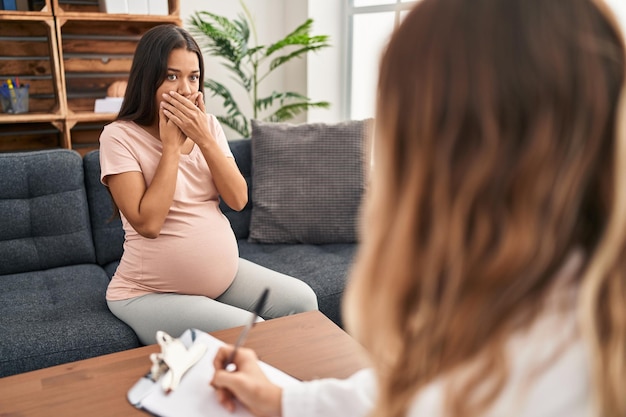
(177, 70)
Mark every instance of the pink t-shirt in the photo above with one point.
(196, 252)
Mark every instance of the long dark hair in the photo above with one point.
(149, 70)
(496, 157)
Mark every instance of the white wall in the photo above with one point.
(326, 81)
(295, 71)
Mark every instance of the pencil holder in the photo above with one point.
(14, 100)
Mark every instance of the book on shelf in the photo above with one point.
(147, 7)
(21, 5)
(138, 7)
(114, 6)
(158, 7)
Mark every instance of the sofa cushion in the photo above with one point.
(308, 181)
(108, 234)
(240, 220)
(324, 267)
(111, 267)
(45, 219)
(57, 316)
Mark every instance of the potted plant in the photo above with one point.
(251, 64)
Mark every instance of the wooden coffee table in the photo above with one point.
(306, 346)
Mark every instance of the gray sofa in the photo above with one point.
(59, 246)
(53, 262)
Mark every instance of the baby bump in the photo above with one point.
(203, 262)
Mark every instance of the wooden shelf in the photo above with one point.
(69, 53)
(91, 117)
(28, 51)
(118, 17)
(33, 135)
(68, 8)
(84, 134)
(29, 117)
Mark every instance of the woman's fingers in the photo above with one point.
(247, 383)
(199, 100)
(224, 352)
(172, 115)
(226, 399)
(188, 113)
(174, 107)
(181, 103)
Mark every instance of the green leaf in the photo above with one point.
(234, 119)
(295, 54)
(219, 36)
(300, 34)
(267, 102)
(235, 124)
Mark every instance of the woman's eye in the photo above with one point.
(194, 78)
(172, 77)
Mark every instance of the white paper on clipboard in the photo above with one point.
(194, 396)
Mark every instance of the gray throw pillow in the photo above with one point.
(307, 181)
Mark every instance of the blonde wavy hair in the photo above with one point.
(499, 150)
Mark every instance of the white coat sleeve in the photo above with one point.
(353, 396)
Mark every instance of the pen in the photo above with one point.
(244, 333)
(11, 90)
(12, 96)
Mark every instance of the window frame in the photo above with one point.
(398, 6)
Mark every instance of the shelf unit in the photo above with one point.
(69, 53)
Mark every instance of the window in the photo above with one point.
(370, 23)
(619, 8)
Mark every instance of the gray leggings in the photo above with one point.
(175, 313)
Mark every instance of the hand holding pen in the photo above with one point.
(246, 382)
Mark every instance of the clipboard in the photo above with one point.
(194, 396)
